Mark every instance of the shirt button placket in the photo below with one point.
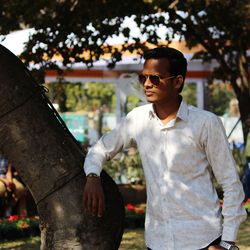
(166, 204)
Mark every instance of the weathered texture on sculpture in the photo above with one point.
(46, 157)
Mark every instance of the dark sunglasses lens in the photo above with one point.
(142, 79)
(154, 79)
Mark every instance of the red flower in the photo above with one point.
(130, 207)
(13, 217)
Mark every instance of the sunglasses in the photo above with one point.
(154, 79)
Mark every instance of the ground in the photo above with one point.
(132, 239)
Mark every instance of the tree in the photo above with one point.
(78, 30)
(50, 162)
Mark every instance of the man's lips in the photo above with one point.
(149, 93)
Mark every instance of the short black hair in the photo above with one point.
(177, 61)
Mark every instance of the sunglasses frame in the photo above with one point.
(149, 76)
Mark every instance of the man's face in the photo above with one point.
(166, 89)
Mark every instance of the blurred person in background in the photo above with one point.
(232, 124)
(12, 191)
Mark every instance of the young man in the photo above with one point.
(178, 145)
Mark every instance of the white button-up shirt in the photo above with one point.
(183, 210)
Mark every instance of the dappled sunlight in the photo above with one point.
(59, 210)
(181, 179)
(22, 244)
(133, 239)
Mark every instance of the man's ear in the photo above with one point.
(179, 81)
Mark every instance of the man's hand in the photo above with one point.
(93, 197)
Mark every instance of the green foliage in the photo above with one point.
(247, 206)
(221, 28)
(100, 94)
(126, 167)
(79, 96)
(76, 99)
(189, 93)
(132, 102)
(223, 34)
(219, 98)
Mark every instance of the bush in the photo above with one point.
(17, 227)
(134, 215)
(126, 168)
(247, 206)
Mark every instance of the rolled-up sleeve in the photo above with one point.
(224, 168)
(109, 145)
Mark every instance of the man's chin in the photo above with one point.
(151, 100)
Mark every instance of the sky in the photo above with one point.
(15, 41)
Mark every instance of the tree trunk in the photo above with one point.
(50, 163)
(243, 95)
(244, 106)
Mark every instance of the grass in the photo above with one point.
(32, 243)
(244, 235)
(132, 239)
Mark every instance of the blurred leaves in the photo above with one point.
(219, 98)
(84, 97)
(79, 31)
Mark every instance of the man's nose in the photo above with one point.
(148, 83)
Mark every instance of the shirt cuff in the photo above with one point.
(93, 169)
(230, 233)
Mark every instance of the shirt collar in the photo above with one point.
(151, 112)
(182, 112)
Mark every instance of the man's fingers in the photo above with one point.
(89, 203)
(101, 207)
(94, 207)
(93, 197)
(85, 201)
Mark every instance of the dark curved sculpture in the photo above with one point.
(50, 163)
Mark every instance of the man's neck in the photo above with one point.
(167, 111)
